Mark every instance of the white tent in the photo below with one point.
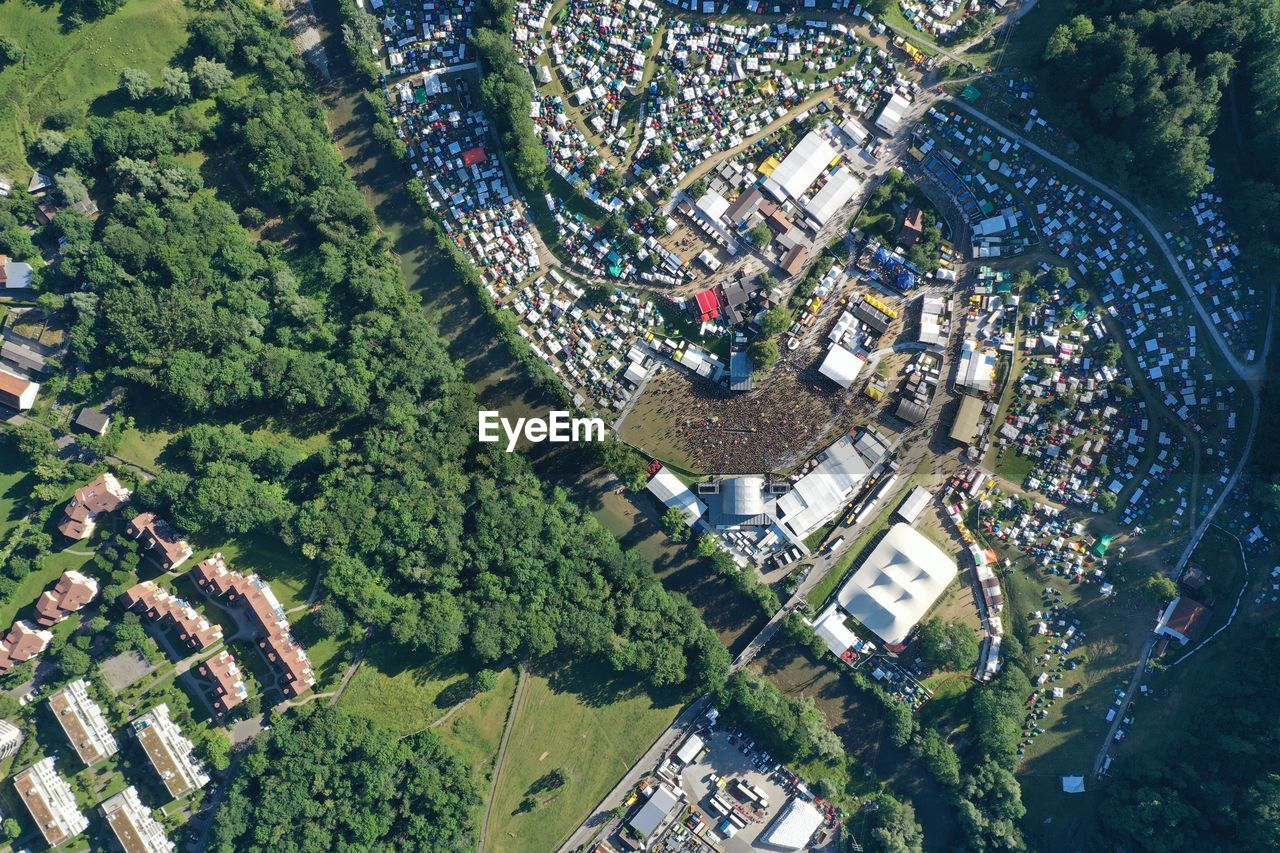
(689, 750)
(897, 584)
(841, 366)
(795, 825)
(1073, 784)
(831, 628)
(801, 168)
(891, 115)
(818, 495)
(668, 488)
(835, 193)
(914, 504)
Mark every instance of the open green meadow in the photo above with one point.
(584, 722)
(74, 67)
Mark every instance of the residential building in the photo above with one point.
(1184, 619)
(51, 802)
(277, 642)
(81, 514)
(15, 274)
(132, 822)
(23, 642)
(11, 738)
(70, 594)
(16, 392)
(159, 605)
(23, 357)
(229, 689)
(168, 548)
(83, 723)
(169, 751)
(92, 421)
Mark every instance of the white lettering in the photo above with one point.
(588, 429)
(559, 422)
(488, 426)
(558, 427)
(513, 434)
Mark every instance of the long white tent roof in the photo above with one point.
(668, 488)
(897, 584)
(835, 193)
(817, 496)
(802, 166)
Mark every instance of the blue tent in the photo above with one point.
(906, 280)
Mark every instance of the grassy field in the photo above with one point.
(579, 720)
(142, 446)
(397, 694)
(475, 732)
(75, 67)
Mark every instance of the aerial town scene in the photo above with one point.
(588, 426)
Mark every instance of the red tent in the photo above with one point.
(707, 305)
(472, 156)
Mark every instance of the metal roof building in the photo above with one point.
(819, 494)
(794, 826)
(669, 489)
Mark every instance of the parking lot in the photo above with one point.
(723, 762)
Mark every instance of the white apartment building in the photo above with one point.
(169, 751)
(51, 802)
(135, 828)
(82, 721)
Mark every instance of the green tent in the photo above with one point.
(1100, 547)
(970, 94)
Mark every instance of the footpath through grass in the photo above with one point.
(585, 722)
(74, 67)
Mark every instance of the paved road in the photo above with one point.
(1250, 373)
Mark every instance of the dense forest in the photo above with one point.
(441, 544)
(1217, 786)
(1141, 84)
(323, 780)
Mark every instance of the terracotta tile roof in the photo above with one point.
(158, 604)
(71, 593)
(79, 516)
(23, 642)
(171, 550)
(265, 610)
(12, 388)
(229, 689)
